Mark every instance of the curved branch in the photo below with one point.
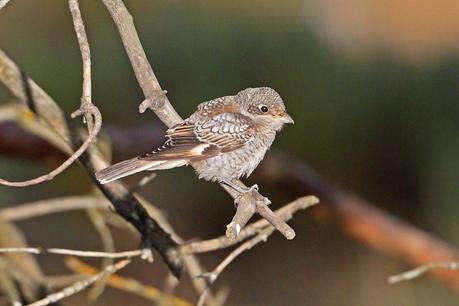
(91, 113)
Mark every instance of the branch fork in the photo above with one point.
(248, 204)
(155, 101)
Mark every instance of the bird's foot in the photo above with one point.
(244, 191)
(241, 189)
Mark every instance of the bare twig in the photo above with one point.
(125, 284)
(412, 274)
(143, 253)
(50, 206)
(108, 244)
(155, 96)
(87, 107)
(212, 276)
(81, 285)
(285, 213)
(91, 113)
(51, 175)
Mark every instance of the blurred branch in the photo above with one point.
(157, 101)
(20, 270)
(412, 274)
(108, 243)
(126, 284)
(143, 253)
(362, 220)
(81, 285)
(50, 206)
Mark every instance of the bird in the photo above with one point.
(223, 140)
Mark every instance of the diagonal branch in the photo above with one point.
(81, 285)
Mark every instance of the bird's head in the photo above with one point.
(264, 106)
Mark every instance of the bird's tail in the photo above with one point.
(126, 168)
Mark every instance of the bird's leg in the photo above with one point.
(239, 188)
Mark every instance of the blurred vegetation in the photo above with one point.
(383, 127)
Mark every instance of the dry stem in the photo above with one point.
(81, 285)
(126, 284)
(91, 113)
(143, 253)
(412, 274)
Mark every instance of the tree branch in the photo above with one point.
(363, 221)
(81, 285)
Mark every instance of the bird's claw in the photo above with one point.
(243, 192)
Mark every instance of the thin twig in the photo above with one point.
(125, 284)
(86, 97)
(108, 244)
(51, 175)
(143, 253)
(412, 274)
(285, 213)
(50, 206)
(81, 285)
(212, 276)
(91, 113)
(154, 94)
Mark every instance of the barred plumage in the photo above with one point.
(225, 139)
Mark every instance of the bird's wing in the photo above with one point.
(204, 139)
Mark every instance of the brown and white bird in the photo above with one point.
(225, 139)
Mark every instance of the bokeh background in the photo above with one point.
(373, 87)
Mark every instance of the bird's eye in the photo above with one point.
(263, 108)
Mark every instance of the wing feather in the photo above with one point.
(204, 139)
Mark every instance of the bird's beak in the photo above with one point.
(286, 118)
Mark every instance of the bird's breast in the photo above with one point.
(237, 163)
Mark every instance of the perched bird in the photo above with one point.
(223, 140)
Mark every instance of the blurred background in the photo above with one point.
(373, 87)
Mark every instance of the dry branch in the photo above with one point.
(363, 221)
(285, 213)
(213, 275)
(126, 284)
(412, 274)
(143, 253)
(91, 113)
(81, 285)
